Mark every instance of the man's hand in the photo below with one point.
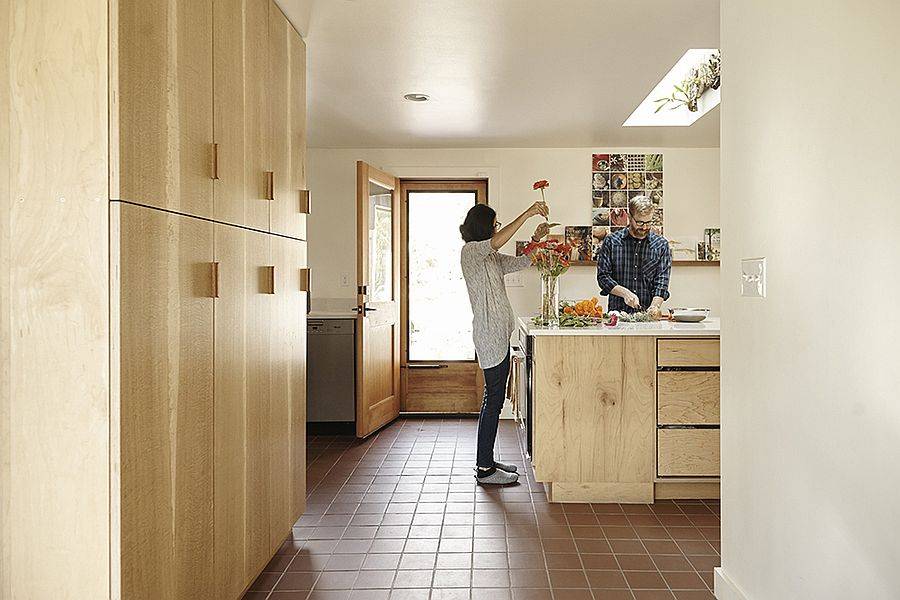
(631, 299)
(655, 312)
(540, 232)
(538, 208)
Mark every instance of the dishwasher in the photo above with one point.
(331, 371)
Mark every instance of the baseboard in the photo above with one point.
(725, 588)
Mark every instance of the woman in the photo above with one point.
(493, 320)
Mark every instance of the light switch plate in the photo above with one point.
(753, 277)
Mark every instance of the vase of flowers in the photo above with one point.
(552, 260)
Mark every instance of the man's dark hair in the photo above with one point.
(479, 223)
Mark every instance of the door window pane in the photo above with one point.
(381, 258)
(440, 316)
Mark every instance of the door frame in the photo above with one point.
(365, 175)
(479, 185)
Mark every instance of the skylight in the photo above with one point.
(645, 114)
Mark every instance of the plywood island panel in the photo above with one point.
(594, 420)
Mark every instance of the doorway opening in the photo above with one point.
(439, 373)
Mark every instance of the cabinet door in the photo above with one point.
(259, 312)
(231, 401)
(298, 303)
(300, 202)
(257, 148)
(284, 209)
(288, 400)
(165, 112)
(166, 389)
(229, 189)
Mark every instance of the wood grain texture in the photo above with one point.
(165, 110)
(679, 490)
(5, 316)
(377, 332)
(230, 189)
(623, 493)
(458, 388)
(284, 208)
(257, 147)
(594, 412)
(688, 452)
(54, 285)
(702, 352)
(166, 317)
(259, 311)
(297, 106)
(231, 399)
(297, 302)
(283, 331)
(688, 398)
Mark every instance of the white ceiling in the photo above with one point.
(501, 73)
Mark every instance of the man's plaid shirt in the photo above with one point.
(642, 266)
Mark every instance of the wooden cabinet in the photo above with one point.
(166, 407)
(211, 112)
(687, 443)
(688, 452)
(688, 398)
(164, 105)
(688, 353)
(213, 359)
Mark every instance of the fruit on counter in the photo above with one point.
(583, 308)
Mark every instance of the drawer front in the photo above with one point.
(688, 398)
(688, 452)
(687, 353)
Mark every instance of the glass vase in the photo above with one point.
(550, 300)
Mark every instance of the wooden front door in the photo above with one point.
(378, 299)
(439, 371)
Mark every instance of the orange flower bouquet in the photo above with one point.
(552, 260)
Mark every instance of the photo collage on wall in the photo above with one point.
(615, 179)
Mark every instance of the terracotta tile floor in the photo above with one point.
(399, 517)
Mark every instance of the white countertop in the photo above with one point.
(331, 314)
(707, 327)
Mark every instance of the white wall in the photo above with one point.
(810, 402)
(691, 203)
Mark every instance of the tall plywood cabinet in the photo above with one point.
(153, 293)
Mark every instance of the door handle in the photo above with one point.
(270, 185)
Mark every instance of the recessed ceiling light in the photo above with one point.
(416, 97)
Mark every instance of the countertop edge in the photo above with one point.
(710, 327)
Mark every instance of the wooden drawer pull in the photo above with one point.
(215, 161)
(270, 279)
(305, 280)
(304, 202)
(270, 185)
(214, 274)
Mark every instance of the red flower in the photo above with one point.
(539, 185)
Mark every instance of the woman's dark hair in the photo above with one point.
(479, 223)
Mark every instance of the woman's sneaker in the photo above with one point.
(495, 476)
(506, 467)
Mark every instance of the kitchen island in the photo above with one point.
(623, 414)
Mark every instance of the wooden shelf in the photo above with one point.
(675, 263)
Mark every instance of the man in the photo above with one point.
(634, 264)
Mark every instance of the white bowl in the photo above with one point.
(689, 315)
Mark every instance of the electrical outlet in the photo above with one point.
(514, 280)
(753, 277)
(345, 279)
